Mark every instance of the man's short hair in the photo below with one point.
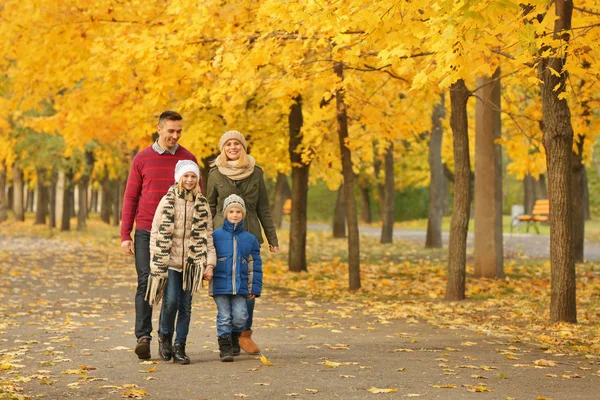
(169, 116)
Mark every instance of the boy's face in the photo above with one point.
(234, 214)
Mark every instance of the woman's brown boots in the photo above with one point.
(247, 344)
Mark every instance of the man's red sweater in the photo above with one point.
(150, 177)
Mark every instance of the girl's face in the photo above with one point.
(233, 149)
(189, 180)
(234, 214)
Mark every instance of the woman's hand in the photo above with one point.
(273, 249)
(252, 296)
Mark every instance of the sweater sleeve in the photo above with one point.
(264, 213)
(131, 200)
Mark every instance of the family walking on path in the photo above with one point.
(175, 247)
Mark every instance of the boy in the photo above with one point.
(232, 281)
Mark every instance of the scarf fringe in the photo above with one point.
(192, 276)
(156, 290)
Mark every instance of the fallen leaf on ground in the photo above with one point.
(377, 390)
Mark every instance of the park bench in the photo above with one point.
(540, 213)
(287, 207)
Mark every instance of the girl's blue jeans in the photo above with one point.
(232, 313)
(176, 303)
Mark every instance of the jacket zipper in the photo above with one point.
(234, 266)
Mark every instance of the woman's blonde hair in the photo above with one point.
(195, 190)
(241, 162)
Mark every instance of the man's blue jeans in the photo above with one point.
(143, 311)
(176, 303)
(231, 313)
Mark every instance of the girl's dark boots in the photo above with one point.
(226, 347)
(179, 355)
(165, 347)
(235, 343)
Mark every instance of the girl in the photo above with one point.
(233, 281)
(181, 247)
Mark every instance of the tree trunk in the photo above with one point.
(488, 253)
(93, 201)
(529, 193)
(82, 188)
(30, 199)
(365, 199)
(18, 205)
(586, 197)
(558, 142)
(389, 200)
(42, 197)
(298, 217)
(65, 224)
(436, 178)
(117, 197)
(459, 224)
(577, 193)
(105, 201)
(339, 215)
(282, 193)
(542, 189)
(3, 198)
(52, 199)
(351, 217)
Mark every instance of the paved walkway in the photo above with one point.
(66, 331)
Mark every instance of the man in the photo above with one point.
(150, 177)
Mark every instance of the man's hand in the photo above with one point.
(252, 296)
(273, 249)
(127, 246)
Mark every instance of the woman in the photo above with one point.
(235, 172)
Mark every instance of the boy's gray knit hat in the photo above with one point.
(184, 166)
(234, 200)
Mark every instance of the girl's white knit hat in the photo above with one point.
(233, 200)
(233, 135)
(184, 166)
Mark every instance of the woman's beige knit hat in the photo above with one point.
(232, 135)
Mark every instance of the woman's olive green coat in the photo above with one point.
(254, 192)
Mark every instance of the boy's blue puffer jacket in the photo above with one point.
(234, 248)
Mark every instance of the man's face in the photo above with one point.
(169, 133)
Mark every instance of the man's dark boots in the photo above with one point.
(142, 348)
(225, 347)
(179, 355)
(165, 347)
(235, 343)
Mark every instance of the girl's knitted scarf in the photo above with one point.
(195, 262)
(235, 172)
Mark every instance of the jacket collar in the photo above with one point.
(229, 227)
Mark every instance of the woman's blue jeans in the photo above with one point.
(231, 313)
(176, 303)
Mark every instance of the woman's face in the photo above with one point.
(189, 180)
(233, 149)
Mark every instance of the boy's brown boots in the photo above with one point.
(247, 344)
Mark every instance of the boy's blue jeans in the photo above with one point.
(176, 302)
(232, 313)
